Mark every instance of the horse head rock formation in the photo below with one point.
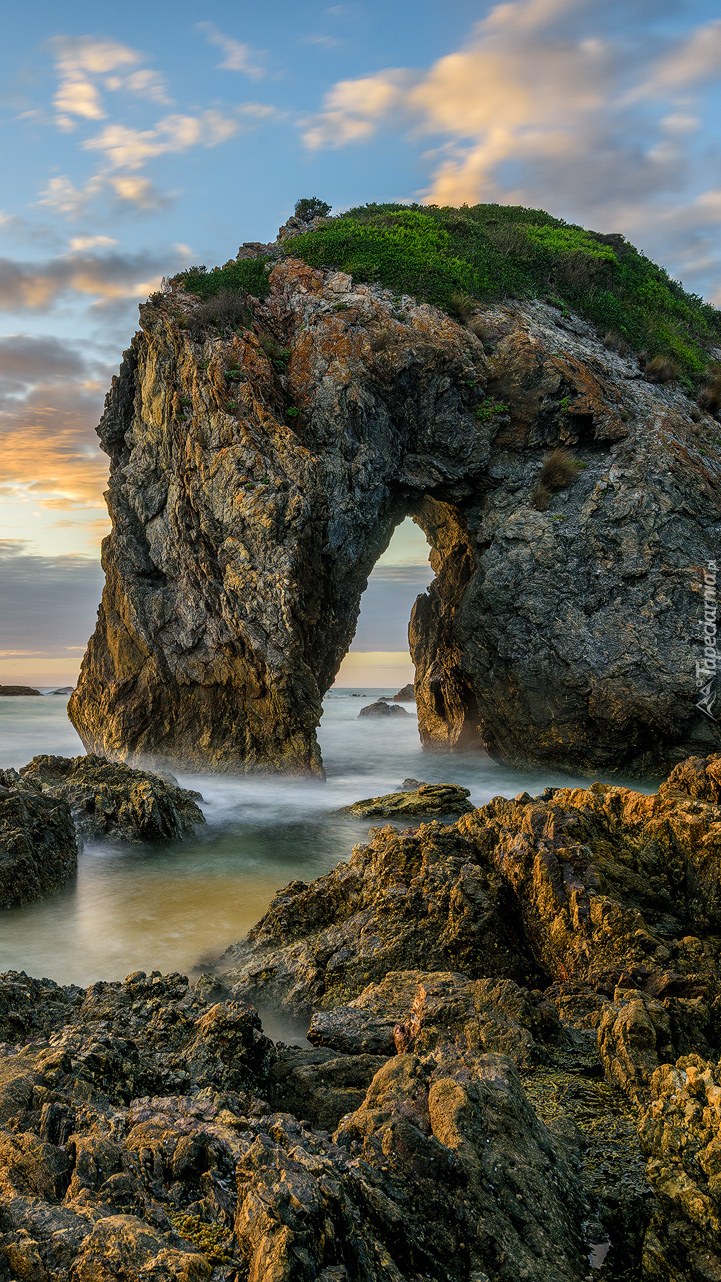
(257, 475)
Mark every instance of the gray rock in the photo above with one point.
(381, 708)
(407, 694)
(38, 846)
(249, 511)
(111, 799)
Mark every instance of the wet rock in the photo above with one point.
(38, 846)
(420, 1011)
(111, 799)
(15, 690)
(405, 900)
(319, 1086)
(382, 708)
(406, 694)
(425, 799)
(267, 466)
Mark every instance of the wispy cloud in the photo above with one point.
(236, 55)
(86, 65)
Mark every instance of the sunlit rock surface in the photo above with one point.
(255, 479)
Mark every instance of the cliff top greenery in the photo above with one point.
(460, 258)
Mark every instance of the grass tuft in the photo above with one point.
(559, 469)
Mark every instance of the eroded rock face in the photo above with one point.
(111, 799)
(255, 480)
(38, 846)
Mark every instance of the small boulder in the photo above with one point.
(424, 799)
(110, 799)
(38, 846)
(406, 695)
(382, 708)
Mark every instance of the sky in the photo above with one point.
(139, 139)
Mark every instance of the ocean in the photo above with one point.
(176, 906)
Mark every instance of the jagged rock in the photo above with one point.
(15, 690)
(111, 799)
(382, 708)
(406, 694)
(419, 1011)
(38, 846)
(252, 496)
(141, 1141)
(681, 1132)
(425, 799)
(405, 900)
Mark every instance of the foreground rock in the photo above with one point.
(110, 799)
(255, 478)
(145, 1132)
(382, 708)
(467, 990)
(425, 799)
(15, 690)
(38, 846)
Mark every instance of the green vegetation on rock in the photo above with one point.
(485, 253)
(248, 274)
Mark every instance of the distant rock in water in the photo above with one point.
(381, 708)
(15, 690)
(426, 799)
(62, 690)
(110, 799)
(407, 694)
(38, 845)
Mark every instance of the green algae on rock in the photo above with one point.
(426, 799)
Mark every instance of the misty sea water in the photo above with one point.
(177, 905)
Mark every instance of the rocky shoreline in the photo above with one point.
(511, 1069)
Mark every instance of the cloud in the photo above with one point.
(26, 360)
(386, 606)
(238, 56)
(79, 243)
(47, 604)
(323, 42)
(126, 148)
(690, 63)
(103, 276)
(82, 61)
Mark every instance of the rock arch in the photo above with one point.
(256, 478)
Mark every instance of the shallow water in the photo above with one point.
(174, 906)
